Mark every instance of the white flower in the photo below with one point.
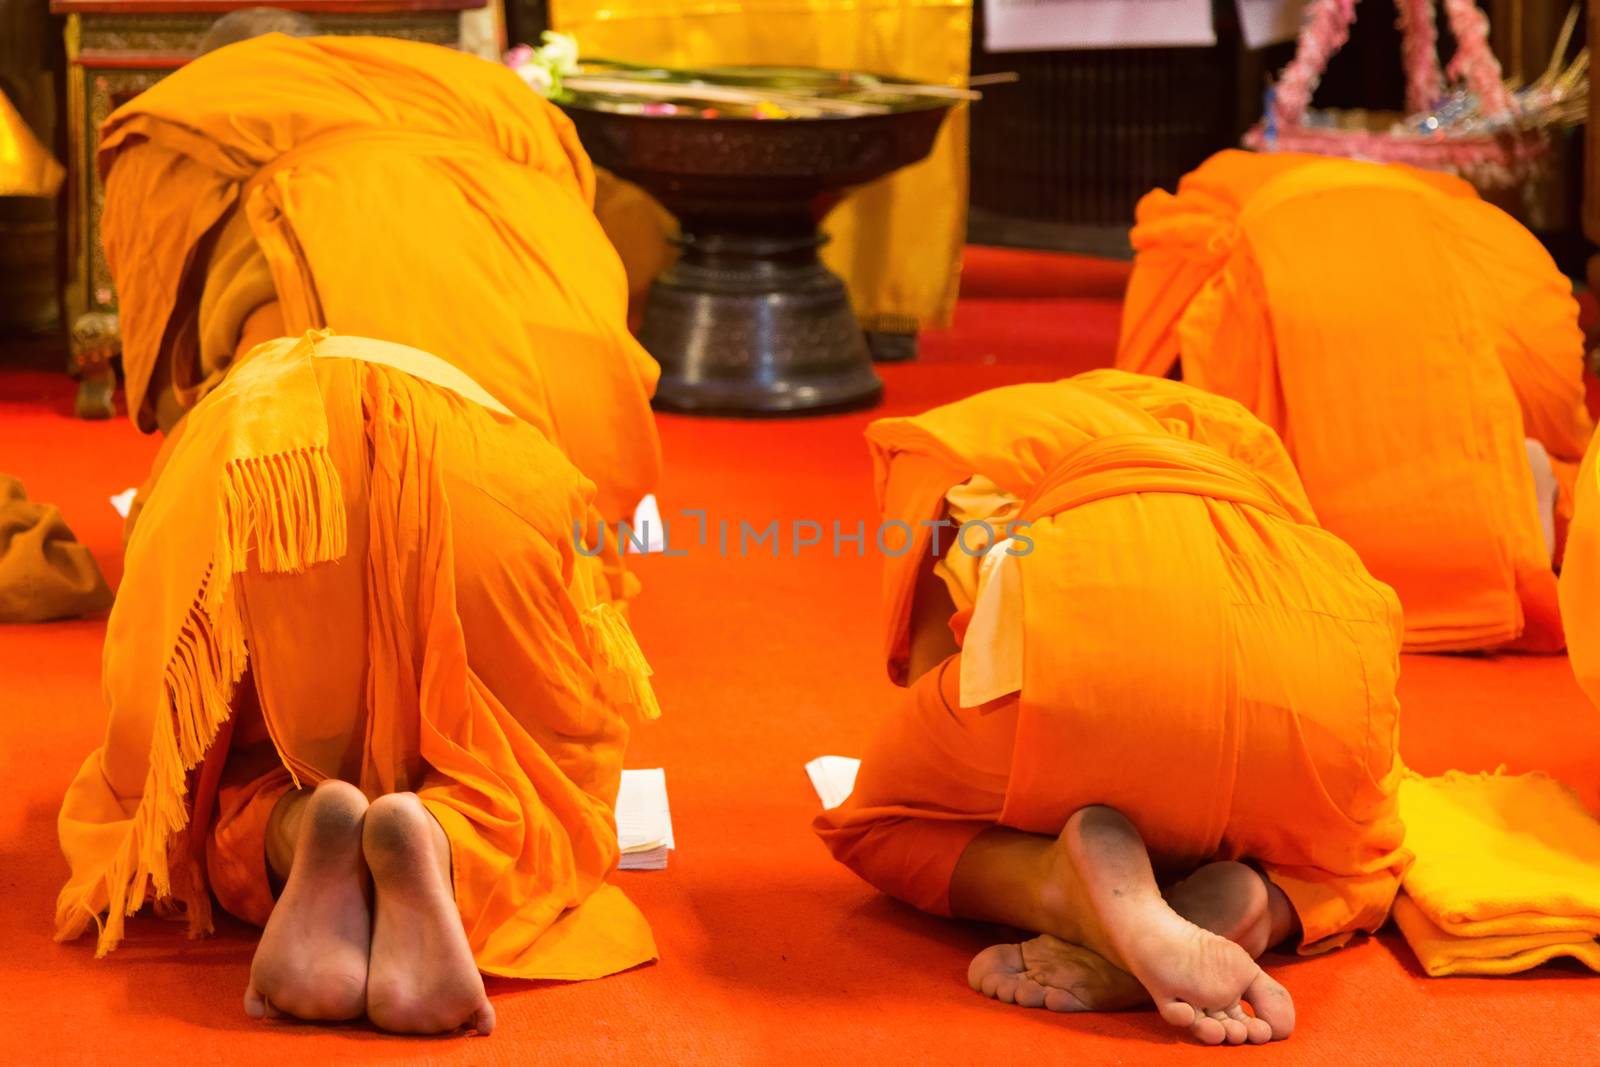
(538, 77)
(560, 51)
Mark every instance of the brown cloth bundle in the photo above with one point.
(44, 572)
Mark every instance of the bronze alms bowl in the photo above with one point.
(748, 321)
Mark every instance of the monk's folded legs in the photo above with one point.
(1094, 888)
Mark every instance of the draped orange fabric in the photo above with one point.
(389, 563)
(1404, 338)
(1182, 611)
(1580, 576)
(1182, 239)
(388, 189)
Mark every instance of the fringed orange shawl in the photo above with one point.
(175, 647)
(250, 490)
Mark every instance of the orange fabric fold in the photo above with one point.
(1403, 338)
(1181, 610)
(1580, 575)
(396, 564)
(387, 189)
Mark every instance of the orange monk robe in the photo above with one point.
(357, 564)
(1183, 617)
(1405, 339)
(1580, 577)
(383, 188)
(1182, 238)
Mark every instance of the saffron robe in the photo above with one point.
(383, 188)
(391, 564)
(1580, 576)
(1182, 611)
(1404, 339)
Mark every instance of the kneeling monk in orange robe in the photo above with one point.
(382, 188)
(1416, 349)
(1165, 668)
(352, 576)
(362, 662)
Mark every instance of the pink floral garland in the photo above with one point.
(1491, 160)
(1424, 80)
(1327, 28)
(1473, 60)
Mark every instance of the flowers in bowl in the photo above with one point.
(544, 67)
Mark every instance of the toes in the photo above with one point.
(1272, 1005)
(255, 1005)
(1063, 1000)
(1014, 989)
(1177, 1013)
(1233, 1029)
(992, 961)
(999, 986)
(1256, 1031)
(1028, 994)
(483, 1020)
(1206, 1030)
(997, 972)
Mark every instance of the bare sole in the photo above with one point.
(312, 960)
(1196, 978)
(423, 979)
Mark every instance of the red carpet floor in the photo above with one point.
(771, 954)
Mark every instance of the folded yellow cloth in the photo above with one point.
(1507, 873)
(44, 573)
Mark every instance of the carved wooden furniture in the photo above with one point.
(115, 50)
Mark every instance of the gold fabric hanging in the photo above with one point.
(26, 167)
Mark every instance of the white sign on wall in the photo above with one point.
(1059, 25)
(1053, 25)
(1267, 22)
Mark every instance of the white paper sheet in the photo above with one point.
(644, 820)
(647, 529)
(1058, 25)
(123, 501)
(833, 777)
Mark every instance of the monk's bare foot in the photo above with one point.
(423, 979)
(312, 960)
(1196, 978)
(1228, 899)
(1047, 972)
